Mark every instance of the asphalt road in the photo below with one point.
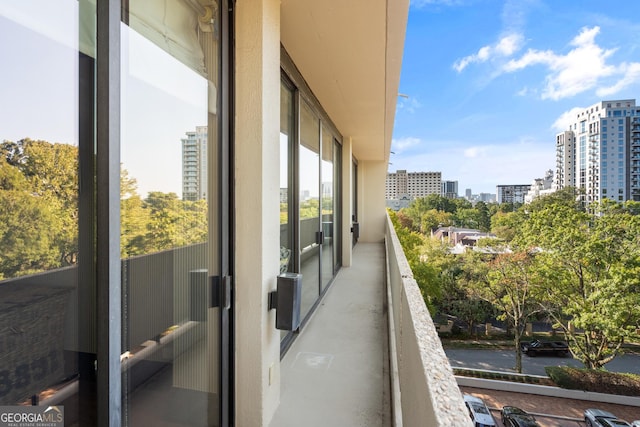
(505, 360)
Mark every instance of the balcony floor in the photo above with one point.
(336, 372)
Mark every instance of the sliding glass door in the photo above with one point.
(170, 230)
(309, 212)
(327, 203)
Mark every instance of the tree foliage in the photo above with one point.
(39, 211)
(580, 267)
(507, 281)
(39, 206)
(591, 265)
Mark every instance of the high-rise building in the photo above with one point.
(194, 164)
(415, 184)
(512, 193)
(565, 159)
(600, 152)
(467, 194)
(450, 189)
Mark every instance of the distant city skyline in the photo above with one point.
(485, 110)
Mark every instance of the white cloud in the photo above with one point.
(474, 152)
(562, 123)
(409, 105)
(631, 74)
(583, 68)
(402, 144)
(504, 47)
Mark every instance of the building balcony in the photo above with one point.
(370, 355)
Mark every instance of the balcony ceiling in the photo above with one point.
(350, 54)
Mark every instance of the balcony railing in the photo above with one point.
(421, 373)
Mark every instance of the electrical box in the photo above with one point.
(288, 299)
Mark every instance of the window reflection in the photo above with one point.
(39, 215)
(168, 152)
(286, 133)
(309, 206)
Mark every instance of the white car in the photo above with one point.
(601, 418)
(480, 414)
(635, 423)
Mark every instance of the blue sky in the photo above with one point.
(491, 82)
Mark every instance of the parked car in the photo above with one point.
(541, 348)
(480, 414)
(635, 423)
(516, 417)
(601, 418)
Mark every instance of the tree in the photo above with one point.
(567, 196)
(39, 195)
(591, 266)
(52, 173)
(27, 235)
(507, 282)
(484, 217)
(424, 273)
(432, 219)
(467, 218)
(505, 225)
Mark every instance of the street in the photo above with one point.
(505, 360)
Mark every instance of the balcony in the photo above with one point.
(370, 356)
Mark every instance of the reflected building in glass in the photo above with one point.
(194, 164)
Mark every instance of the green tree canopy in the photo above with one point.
(591, 265)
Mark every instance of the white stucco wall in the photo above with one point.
(257, 186)
(371, 201)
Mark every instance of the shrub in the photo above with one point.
(595, 380)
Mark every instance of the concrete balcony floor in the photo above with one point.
(336, 373)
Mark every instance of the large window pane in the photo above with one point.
(286, 173)
(327, 201)
(46, 84)
(309, 206)
(169, 242)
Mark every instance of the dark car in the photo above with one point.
(516, 417)
(541, 348)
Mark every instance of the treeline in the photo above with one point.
(434, 211)
(552, 259)
(39, 211)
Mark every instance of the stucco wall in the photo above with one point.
(371, 201)
(429, 393)
(257, 186)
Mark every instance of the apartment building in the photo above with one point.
(600, 152)
(297, 97)
(541, 187)
(415, 184)
(512, 193)
(565, 160)
(194, 164)
(450, 189)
